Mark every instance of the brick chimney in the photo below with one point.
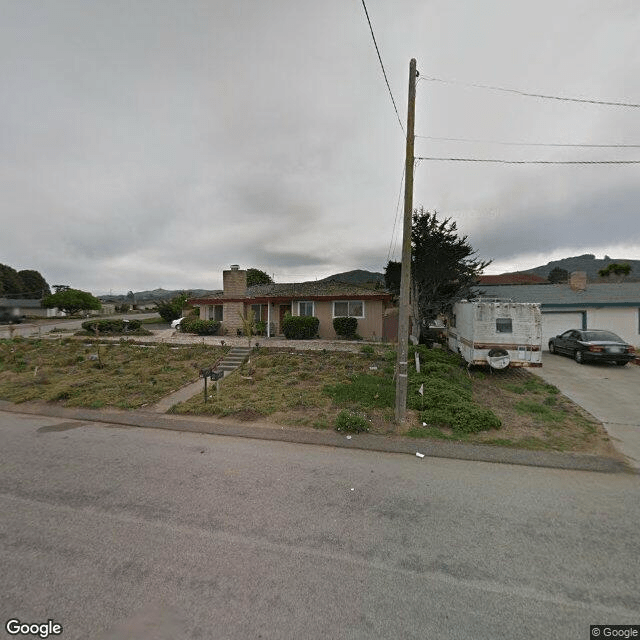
(578, 280)
(234, 282)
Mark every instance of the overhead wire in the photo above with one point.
(384, 73)
(477, 85)
(395, 220)
(499, 161)
(533, 144)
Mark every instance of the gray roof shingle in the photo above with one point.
(549, 295)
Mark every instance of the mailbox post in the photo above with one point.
(215, 377)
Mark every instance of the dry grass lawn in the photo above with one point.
(292, 388)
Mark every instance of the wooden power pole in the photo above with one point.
(405, 278)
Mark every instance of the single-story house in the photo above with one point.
(271, 302)
(20, 308)
(579, 305)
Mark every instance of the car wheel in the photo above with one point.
(621, 363)
(552, 347)
(578, 356)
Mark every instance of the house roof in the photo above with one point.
(313, 290)
(623, 294)
(27, 303)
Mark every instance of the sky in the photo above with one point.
(152, 143)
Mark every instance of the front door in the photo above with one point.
(284, 309)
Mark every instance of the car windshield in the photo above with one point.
(601, 336)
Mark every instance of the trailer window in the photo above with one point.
(503, 325)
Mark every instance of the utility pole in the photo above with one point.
(405, 278)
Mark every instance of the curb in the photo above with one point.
(367, 442)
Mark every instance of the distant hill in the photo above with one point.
(141, 297)
(357, 276)
(516, 277)
(587, 262)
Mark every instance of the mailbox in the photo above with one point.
(216, 375)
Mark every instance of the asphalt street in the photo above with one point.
(118, 532)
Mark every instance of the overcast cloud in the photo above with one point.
(152, 143)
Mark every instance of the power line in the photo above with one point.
(395, 220)
(384, 73)
(535, 144)
(533, 95)
(530, 161)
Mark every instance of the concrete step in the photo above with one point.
(234, 359)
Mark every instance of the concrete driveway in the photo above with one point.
(608, 392)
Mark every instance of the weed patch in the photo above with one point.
(87, 374)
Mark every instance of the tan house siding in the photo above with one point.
(369, 327)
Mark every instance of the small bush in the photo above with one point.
(193, 324)
(345, 327)
(349, 420)
(367, 349)
(111, 326)
(300, 327)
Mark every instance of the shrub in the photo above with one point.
(300, 327)
(349, 420)
(345, 327)
(192, 324)
(462, 417)
(111, 326)
(447, 396)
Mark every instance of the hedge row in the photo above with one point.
(111, 326)
(193, 324)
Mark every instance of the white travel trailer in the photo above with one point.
(500, 333)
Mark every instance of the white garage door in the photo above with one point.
(555, 323)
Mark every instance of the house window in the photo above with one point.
(350, 308)
(305, 309)
(259, 312)
(215, 312)
(504, 325)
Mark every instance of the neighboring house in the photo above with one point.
(579, 305)
(20, 308)
(271, 302)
